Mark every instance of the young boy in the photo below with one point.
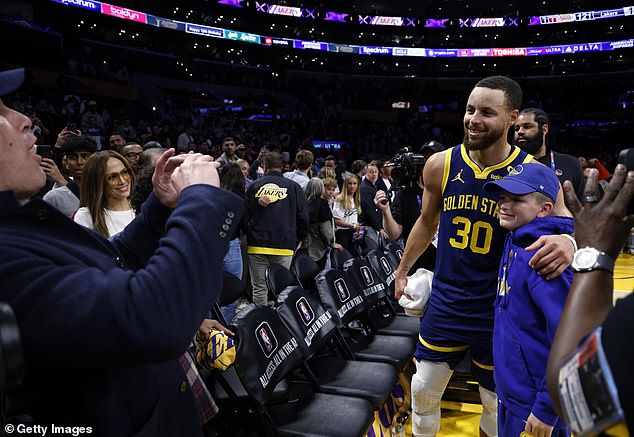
(528, 307)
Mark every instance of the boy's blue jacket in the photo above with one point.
(527, 311)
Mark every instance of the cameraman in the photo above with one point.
(399, 219)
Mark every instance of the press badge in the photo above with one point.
(587, 392)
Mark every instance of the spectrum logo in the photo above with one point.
(126, 14)
(85, 4)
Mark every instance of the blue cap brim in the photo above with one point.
(11, 80)
(511, 185)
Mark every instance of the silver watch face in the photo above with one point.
(585, 258)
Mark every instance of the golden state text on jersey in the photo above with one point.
(470, 239)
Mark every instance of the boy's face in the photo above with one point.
(329, 193)
(515, 210)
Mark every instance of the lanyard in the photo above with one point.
(552, 160)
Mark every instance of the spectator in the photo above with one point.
(120, 313)
(184, 139)
(278, 217)
(132, 152)
(228, 151)
(346, 211)
(322, 226)
(77, 150)
(116, 142)
(105, 193)
(303, 162)
(371, 217)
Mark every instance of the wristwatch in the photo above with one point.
(589, 259)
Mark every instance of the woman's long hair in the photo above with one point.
(232, 179)
(94, 186)
(351, 201)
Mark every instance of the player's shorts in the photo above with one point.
(451, 346)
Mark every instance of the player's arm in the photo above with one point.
(425, 227)
(554, 252)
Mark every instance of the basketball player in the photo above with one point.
(459, 316)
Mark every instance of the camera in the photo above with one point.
(406, 167)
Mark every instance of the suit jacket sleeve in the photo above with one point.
(76, 307)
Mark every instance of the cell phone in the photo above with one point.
(626, 157)
(44, 151)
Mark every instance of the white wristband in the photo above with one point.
(571, 238)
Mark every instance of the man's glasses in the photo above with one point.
(132, 155)
(114, 178)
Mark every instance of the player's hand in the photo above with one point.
(553, 257)
(537, 428)
(400, 282)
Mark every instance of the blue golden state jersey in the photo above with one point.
(470, 239)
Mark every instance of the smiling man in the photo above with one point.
(459, 316)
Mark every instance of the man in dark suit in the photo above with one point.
(105, 324)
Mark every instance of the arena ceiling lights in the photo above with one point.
(228, 34)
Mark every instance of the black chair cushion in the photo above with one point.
(320, 414)
(391, 349)
(367, 380)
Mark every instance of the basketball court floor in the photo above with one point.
(461, 419)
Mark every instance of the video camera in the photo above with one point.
(405, 168)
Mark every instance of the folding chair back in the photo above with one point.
(231, 289)
(366, 279)
(305, 269)
(383, 265)
(339, 297)
(266, 351)
(306, 318)
(277, 278)
(339, 257)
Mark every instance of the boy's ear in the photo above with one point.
(546, 210)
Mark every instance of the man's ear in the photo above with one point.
(545, 129)
(515, 113)
(546, 209)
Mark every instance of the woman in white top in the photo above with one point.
(346, 211)
(106, 183)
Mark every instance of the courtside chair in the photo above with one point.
(266, 353)
(312, 325)
(346, 305)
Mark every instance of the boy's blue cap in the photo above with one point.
(528, 178)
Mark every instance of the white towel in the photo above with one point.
(419, 289)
